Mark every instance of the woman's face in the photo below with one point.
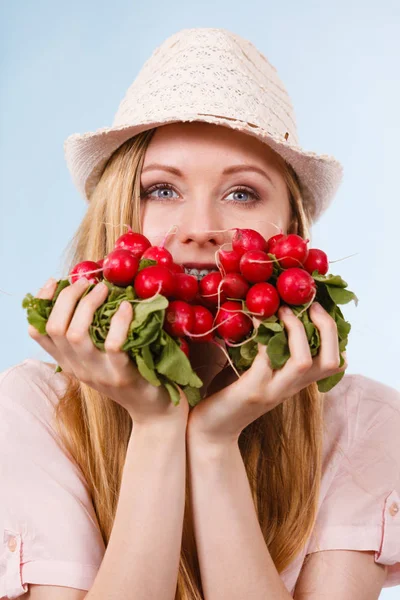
(202, 199)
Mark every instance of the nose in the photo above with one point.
(201, 225)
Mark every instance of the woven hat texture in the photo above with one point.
(215, 76)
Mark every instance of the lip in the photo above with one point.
(194, 265)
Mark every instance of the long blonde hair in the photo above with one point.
(281, 451)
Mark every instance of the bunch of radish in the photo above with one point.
(243, 279)
(253, 279)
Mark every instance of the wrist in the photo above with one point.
(204, 449)
(159, 431)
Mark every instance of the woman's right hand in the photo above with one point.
(112, 373)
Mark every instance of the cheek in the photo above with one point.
(156, 221)
(268, 221)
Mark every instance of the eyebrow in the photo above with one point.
(227, 171)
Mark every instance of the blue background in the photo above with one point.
(66, 66)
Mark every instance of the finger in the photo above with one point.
(116, 337)
(119, 328)
(328, 359)
(77, 335)
(45, 293)
(61, 315)
(300, 355)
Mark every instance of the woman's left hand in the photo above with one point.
(220, 418)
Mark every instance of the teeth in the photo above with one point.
(197, 273)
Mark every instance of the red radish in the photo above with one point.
(152, 280)
(229, 260)
(263, 299)
(134, 242)
(248, 239)
(272, 242)
(186, 287)
(175, 268)
(253, 269)
(296, 286)
(239, 324)
(208, 289)
(120, 267)
(291, 251)
(184, 346)
(202, 322)
(160, 254)
(100, 262)
(316, 260)
(81, 269)
(234, 285)
(178, 318)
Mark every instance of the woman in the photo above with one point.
(130, 496)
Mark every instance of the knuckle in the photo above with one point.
(331, 323)
(304, 365)
(33, 332)
(74, 336)
(112, 346)
(254, 398)
(332, 365)
(53, 329)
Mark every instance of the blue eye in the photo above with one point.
(159, 186)
(242, 191)
(255, 197)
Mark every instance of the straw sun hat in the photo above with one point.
(216, 76)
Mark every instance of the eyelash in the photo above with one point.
(252, 193)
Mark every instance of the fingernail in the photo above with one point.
(83, 281)
(317, 307)
(285, 310)
(49, 283)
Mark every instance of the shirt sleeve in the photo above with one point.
(49, 533)
(361, 510)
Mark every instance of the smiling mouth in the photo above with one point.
(199, 272)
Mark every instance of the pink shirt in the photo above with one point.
(49, 529)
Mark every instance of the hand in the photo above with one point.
(221, 417)
(112, 373)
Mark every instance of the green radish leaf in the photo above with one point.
(63, 283)
(249, 350)
(175, 365)
(148, 357)
(38, 311)
(173, 391)
(146, 262)
(237, 358)
(334, 280)
(266, 329)
(144, 308)
(343, 327)
(341, 296)
(147, 333)
(278, 350)
(325, 385)
(192, 394)
(148, 374)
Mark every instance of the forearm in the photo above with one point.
(234, 559)
(142, 558)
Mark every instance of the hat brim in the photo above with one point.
(87, 154)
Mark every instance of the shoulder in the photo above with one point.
(31, 385)
(29, 436)
(359, 403)
(29, 394)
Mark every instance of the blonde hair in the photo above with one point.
(281, 451)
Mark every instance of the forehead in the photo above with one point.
(207, 140)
